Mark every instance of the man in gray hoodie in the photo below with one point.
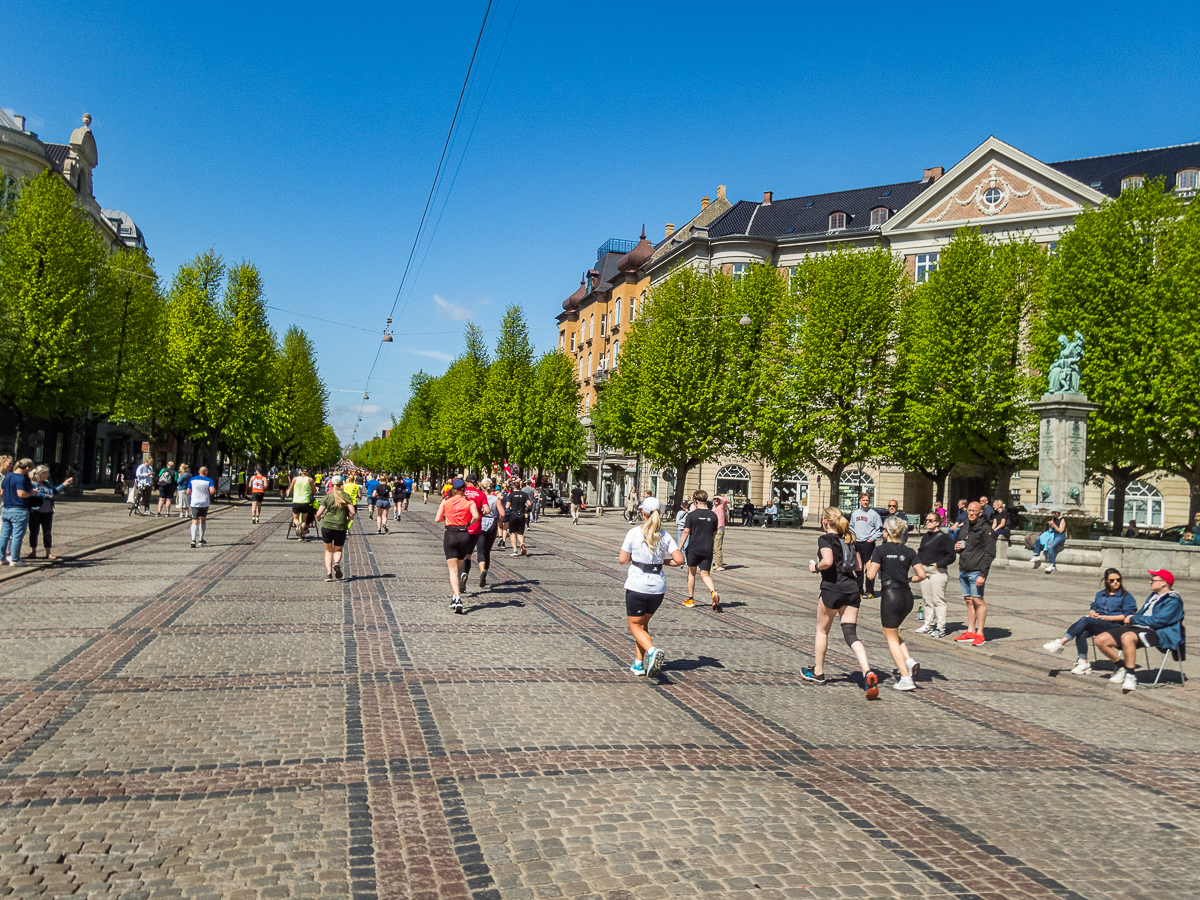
(976, 547)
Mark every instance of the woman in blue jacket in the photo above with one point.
(1159, 623)
(1112, 604)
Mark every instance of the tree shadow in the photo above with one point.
(519, 604)
(687, 665)
(513, 589)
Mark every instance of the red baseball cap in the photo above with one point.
(1164, 575)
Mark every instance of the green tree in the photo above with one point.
(509, 389)
(556, 435)
(826, 375)
(299, 406)
(51, 305)
(1107, 282)
(468, 432)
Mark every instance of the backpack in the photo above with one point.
(166, 478)
(846, 563)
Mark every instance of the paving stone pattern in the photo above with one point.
(221, 722)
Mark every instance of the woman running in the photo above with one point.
(336, 514)
(258, 490)
(502, 522)
(894, 558)
(840, 598)
(383, 502)
(458, 513)
(646, 549)
(487, 530)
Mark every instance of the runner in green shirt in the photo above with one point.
(336, 515)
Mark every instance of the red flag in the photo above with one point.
(507, 470)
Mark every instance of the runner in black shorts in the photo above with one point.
(458, 513)
(893, 559)
(699, 530)
(646, 549)
(838, 562)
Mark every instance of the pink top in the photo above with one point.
(719, 509)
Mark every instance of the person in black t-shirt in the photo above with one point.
(840, 598)
(699, 531)
(892, 559)
(516, 505)
(576, 503)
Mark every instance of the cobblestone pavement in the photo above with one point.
(220, 722)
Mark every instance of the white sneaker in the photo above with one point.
(1118, 676)
(1055, 646)
(1083, 667)
(904, 684)
(924, 629)
(1130, 683)
(1033, 562)
(1050, 569)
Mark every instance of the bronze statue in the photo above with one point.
(1064, 371)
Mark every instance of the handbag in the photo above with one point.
(1031, 540)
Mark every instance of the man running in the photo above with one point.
(301, 489)
(200, 494)
(372, 483)
(408, 486)
(258, 490)
(350, 489)
(516, 508)
(699, 531)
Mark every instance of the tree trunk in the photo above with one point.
(17, 439)
(213, 460)
(1121, 480)
(681, 474)
(835, 483)
(1003, 488)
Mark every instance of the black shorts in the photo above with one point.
(301, 509)
(895, 604)
(198, 512)
(1147, 637)
(702, 561)
(516, 526)
(257, 497)
(458, 544)
(831, 600)
(637, 604)
(335, 536)
(166, 491)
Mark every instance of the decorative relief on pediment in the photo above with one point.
(997, 192)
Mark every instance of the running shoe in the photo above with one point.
(515, 553)
(193, 545)
(716, 601)
(1055, 646)
(483, 579)
(914, 669)
(904, 684)
(203, 542)
(462, 581)
(328, 579)
(690, 601)
(654, 661)
(337, 571)
(523, 553)
(965, 636)
(1082, 667)
(637, 668)
(979, 641)
(807, 673)
(456, 605)
(871, 683)
(385, 529)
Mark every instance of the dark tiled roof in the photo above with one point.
(607, 267)
(57, 154)
(1104, 173)
(801, 216)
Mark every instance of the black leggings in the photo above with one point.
(483, 544)
(457, 543)
(43, 521)
(895, 603)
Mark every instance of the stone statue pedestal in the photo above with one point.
(1062, 453)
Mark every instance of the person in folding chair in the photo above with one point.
(1159, 623)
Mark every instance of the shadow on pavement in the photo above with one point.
(496, 605)
(686, 665)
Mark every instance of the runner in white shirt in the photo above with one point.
(200, 492)
(646, 549)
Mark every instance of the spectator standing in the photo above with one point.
(145, 484)
(1112, 604)
(720, 508)
(41, 511)
(18, 490)
(6, 466)
(531, 492)
(893, 509)
(166, 489)
(631, 506)
(976, 546)
(680, 518)
(1159, 623)
(576, 503)
(868, 529)
(936, 554)
(181, 489)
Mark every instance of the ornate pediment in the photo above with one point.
(996, 190)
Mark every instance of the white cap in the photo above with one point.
(651, 504)
(337, 479)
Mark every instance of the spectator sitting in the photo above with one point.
(1188, 538)
(1001, 522)
(1158, 624)
(748, 513)
(960, 521)
(1050, 541)
(1112, 604)
(770, 511)
(1132, 530)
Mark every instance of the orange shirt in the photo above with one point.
(457, 510)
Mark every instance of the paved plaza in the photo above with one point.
(220, 722)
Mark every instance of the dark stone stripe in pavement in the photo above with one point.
(44, 731)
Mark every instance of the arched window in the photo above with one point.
(1187, 179)
(1143, 504)
(851, 484)
(1130, 182)
(591, 326)
(617, 314)
(733, 481)
(879, 215)
(616, 350)
(837, 221)
(793, 489)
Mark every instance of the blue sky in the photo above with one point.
(304, 138)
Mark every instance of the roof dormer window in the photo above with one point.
(837, 221)
(1131, 182)
(879, 215)
(1187, 179)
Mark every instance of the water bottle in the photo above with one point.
(921, 612)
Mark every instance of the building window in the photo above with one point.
(616, 350)
(850, 486)
(879, 215)
(1143, 504)
(739, 270)
(837, 221)
(589, 368)
(581, 368)
(603, 325)
(1052, 248)
(58, 447)
(992, 196)
(591, 326)
(572, 342)
(617, 314)
(926, 265)
(793, 489)
(733, 482)
(1132, 182)
(600, 368)
(1187, 180)
(562, 339)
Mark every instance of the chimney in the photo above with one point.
(703, 204)
(670, 229)
(932, 174)
(20, 120)
(720, 192)
(767, 198)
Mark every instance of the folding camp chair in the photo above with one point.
(1179, 655)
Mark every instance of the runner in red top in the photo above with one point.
(480, 499)
(458, 513)
(258, 489)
